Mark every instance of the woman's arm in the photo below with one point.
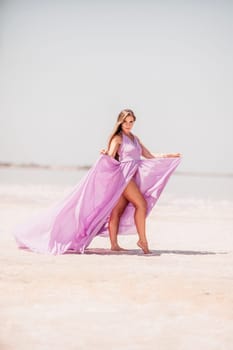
(147, 154)
(114, 146)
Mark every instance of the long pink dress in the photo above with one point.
(84, 213)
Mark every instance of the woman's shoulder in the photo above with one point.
(117, 138)
(137, 138)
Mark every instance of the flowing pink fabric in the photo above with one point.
(84, 213)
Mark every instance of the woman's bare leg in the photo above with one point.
(114, 222)
(133, 195)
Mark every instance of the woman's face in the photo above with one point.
(127, 124)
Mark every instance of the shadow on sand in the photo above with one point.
(138, 252)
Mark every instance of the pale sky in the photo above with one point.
(67, 68)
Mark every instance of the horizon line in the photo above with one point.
(33, 165)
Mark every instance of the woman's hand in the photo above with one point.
(171, 155)
(104, 151)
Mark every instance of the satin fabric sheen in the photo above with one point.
(84, 213)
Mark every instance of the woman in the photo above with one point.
(114, 197)
(132, 192)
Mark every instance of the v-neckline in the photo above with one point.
(133, 141)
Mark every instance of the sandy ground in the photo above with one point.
(179, 297)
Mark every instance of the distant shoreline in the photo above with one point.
(87, 167)
(44, 166)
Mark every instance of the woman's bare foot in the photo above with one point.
(144, 247)
(117, 248)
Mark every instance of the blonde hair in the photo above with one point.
(120, 120)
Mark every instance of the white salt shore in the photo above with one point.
(180, 297)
